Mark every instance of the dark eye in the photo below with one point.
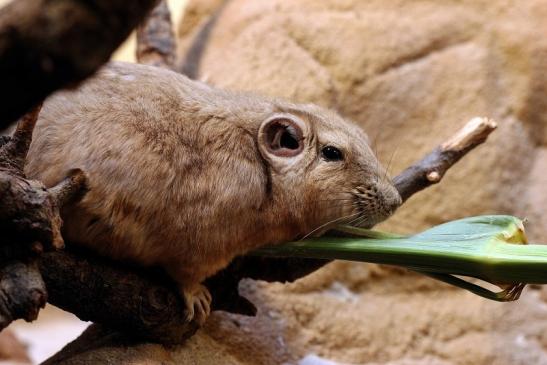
(331, 153)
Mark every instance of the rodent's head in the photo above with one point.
(323, 170)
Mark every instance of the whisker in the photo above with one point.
(375, 145)
(336, 200)
(338, 196)
(326, 224)
(331, 207)
(389, 163)
(360, 221)
(360, 218)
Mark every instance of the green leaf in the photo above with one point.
(491, 248)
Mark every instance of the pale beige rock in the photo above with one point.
(411, 73)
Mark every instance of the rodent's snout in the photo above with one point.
(391, 198)
(388, 199)
(376, 202)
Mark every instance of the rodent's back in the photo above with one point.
(146, 138)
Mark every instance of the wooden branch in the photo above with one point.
(14, 154)
(44, 45)
(431, 169)
(141, 303)
(156, 44)
(28, 211)
(147, 304)
(30, 223)
(49, 44)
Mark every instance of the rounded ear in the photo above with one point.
(281, 136)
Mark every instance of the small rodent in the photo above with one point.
(185, 176)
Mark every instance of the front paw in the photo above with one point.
(198, 304)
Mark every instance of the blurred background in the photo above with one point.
(411, 73)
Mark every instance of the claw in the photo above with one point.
(198, 304)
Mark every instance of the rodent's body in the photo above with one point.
(180, 177)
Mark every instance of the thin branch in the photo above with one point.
(156, 44)
(46, 45)
(72, 188)
(431, 169)
(14, 153)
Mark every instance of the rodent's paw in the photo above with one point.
(198, 304)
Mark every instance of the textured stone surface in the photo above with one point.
(411, 73)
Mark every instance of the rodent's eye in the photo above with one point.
(330, 153)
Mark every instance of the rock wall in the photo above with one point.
(411, 73)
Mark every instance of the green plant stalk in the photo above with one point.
(491, 248)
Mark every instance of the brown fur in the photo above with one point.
(179, 177)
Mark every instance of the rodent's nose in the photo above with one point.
(392, 199)
(396, 201)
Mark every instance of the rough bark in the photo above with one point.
(143, 303)
(155, 39)
(48, 44)
(22, 291)
(30, 223)
(147, 304)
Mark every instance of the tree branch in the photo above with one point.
(49, 44)
(431, 169)
(156, 39)
(29, 222)
(144, 304)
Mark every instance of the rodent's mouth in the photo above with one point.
(363, 207)
(374, 204)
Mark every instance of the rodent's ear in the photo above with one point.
(281, 136)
